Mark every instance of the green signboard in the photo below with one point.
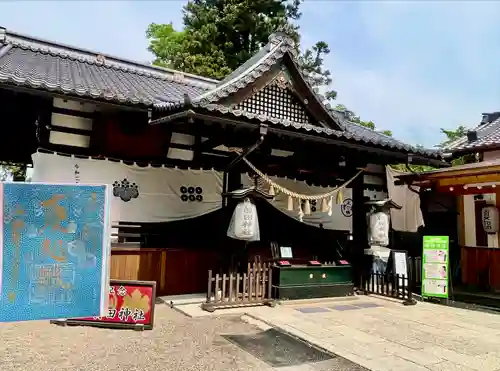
(435, 264)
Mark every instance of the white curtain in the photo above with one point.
(409, 218)
(341, 218)
(140, 194)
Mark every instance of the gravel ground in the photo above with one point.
(176, 343)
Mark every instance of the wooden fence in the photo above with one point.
(393, 286)
(396, 286)
(236, 289)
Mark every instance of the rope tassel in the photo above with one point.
(330, 206)
(340, 197)
(301, 212)
(324, 205)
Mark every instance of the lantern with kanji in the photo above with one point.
(489, 218)
(244, 223)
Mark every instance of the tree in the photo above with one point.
(312, 64)
(220, 35)
(451, 136)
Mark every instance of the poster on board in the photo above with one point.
(54, 254)
(435, 266)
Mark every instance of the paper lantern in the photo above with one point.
(489, 217)
(378, 229)
(244, 223)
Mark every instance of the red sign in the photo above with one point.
(131, 304)
(314, 262)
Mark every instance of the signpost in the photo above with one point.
(435, 266)
(131, 305)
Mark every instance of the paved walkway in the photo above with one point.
(384, 335)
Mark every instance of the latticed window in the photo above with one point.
(277, 102)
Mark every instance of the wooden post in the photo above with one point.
(359, 226)
(245, 288)
(223, 295)
(257, 283)
(270, 283)
(216, 287)
(238, 286)
(231, 286)
(250, 284)
(209, 289)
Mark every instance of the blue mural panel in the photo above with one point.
(55, 251)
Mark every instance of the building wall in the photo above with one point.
(491, 155)
(78, 122)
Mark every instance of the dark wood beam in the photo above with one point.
(75, 113)
(63, 129)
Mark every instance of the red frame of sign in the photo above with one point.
(120, 316)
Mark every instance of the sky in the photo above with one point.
(410, 67)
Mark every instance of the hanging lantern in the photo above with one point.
(244, 223)
(378, 228)
(489, 217)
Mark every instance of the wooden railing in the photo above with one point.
(389, 285)
(235, 289)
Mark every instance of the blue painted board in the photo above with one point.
(55, 251)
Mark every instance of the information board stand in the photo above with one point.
(398, 267)
(435, 266)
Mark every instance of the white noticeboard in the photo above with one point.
(400, 267)
(286, 252)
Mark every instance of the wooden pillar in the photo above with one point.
(359, 229)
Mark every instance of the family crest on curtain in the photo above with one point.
(140, 194)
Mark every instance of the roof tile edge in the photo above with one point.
(89, 56)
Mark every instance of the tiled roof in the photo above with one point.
(486, 134)
(352, 131)
(44, 65)
(260, 63)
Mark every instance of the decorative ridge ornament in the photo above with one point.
(281, 36)
(281, 81)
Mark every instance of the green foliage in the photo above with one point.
(16, 171)
(311, 62)
(452, 135)
(220, 35)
